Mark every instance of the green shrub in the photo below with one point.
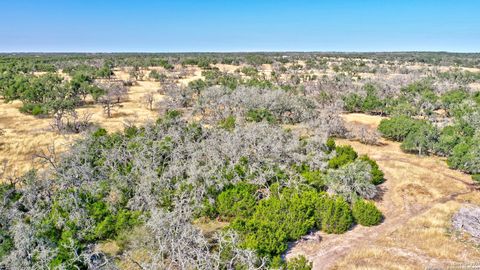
(259, 115)
(334, 215)
(299, 263)
(34, 109)
(466, 156)
(228, 123)
(371, 103)
(277, 220)
(314, 179)
(476, 97)
(6, 243)
(453, 97)
(237, 201)
(197, 85)
(249, 71)
(366, 213)
(330, 144)
(353, 102)
(60, 230)
(377, 174)
(449, 137)
(343, 156)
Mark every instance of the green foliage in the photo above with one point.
(476, 97)
(344, 155)
(421, 139)
(330, 144)
(249, 71)
(63, 231)
(466, 156)
(172, 114)
(258, 83)
(33, 109)
(476, 178)
(449, 137)
(371, 103)
(197, 85)
(353, 102)
(6, 243)
(314, 179)
(333, 215)
(8, 195)
(423, 89)
(299, 263)
(453, 97)
(277, 220)
(377, 174)
(228, 123)
(237, 201)
(397, 128)
(259, 115)
(366, 213)
(155, 75)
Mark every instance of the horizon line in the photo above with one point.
(219, 51)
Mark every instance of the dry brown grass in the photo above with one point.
(26, 135)
(418, 199)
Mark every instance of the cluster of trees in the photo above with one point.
(255, 105)
(428, 118)
(268, 182)
(420, 98)
(459, 142)
(147, 188)
(51, 94)
(370, 103)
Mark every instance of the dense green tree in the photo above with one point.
(397, 128)
(421, 140)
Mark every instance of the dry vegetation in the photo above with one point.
(418, 200)
(26, 136)
(420, 194)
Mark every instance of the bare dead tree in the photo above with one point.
(149, 99)
(363, 133)
(49, 156)
(115, 91)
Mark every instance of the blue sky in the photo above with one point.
(247, 25)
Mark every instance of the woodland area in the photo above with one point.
(243, 158)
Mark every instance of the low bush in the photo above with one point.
(333, 215)
(299, 263)
(366, 213)
(343, 156)
(377, 174)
